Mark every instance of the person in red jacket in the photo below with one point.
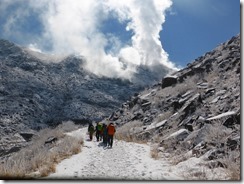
(111, 131)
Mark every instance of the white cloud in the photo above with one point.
(73, 26)
(34, 47)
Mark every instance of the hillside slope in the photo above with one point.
(36, 92)
(195, 112)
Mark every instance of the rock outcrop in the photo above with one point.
(194, 109)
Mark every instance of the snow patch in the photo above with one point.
(125, 160)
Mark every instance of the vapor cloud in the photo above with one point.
(73, 26)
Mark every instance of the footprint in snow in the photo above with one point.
(76, 174)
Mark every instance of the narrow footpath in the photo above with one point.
(127, 161)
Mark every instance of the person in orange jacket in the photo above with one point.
(111, 131)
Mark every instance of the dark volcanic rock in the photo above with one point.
(27, 135)
(169, 81)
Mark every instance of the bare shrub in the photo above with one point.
(67, 147)
(212, 76)
(197, 175)
(39, 157)
(154, 152)
(179, 158)
(169, 145)
(164, 116)
(67, 126)
(157, 101)
(156, 138)
(126, 132)
(217, 133)
(180, 88)
(233, 167)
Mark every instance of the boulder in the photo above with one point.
(233, 142)
(215, 164)
(215, 100)
(176, 105)
(189, 127)
(190, 105)
(213, 154)
(146, 104)
(188, 120)
(229, 122)
(223, 115)
(179, 135)
(51, 140)
(27, 135)
(202, 85)
(137, 116)
(169, 81)
(208, 92)
(161, 123)
(155, 125)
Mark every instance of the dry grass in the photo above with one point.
(179, 158)
(164, 115)
(154, 152)
(217, 133)
(212, 77)
(126, 132)
(39, 157)
(67, 126)
(197, 175)
(181, 88)
(232, 162)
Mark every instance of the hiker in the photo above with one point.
(111, 131)
(98, 131)
(91, 131)
(105, 135)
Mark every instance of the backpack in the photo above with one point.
(111, 130)
(99, 126)
(91, 128)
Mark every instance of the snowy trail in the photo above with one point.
(125, 160)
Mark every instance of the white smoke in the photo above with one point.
(74, 26)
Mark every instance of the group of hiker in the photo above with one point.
(103, 133)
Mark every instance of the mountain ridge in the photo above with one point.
(37, 93)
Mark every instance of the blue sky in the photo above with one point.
(174, 32)
(198, 26)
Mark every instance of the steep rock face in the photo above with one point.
(36, 92)
(198, 106)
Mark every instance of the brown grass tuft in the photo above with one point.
(126, 133)
(39, 157)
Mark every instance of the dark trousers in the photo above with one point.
(91, 135)
(98, 135)
(105, 139)
(110, 140)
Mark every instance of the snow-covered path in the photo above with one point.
(125, 160)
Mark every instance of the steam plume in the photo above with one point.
(73, 26)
